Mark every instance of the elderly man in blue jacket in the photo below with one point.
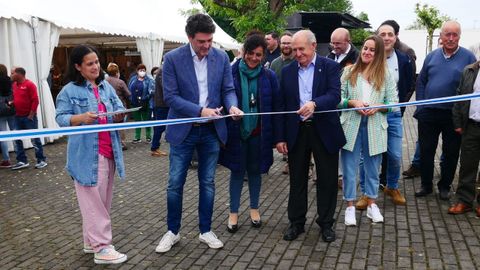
(197, 81)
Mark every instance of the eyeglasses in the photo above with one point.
(337, 43)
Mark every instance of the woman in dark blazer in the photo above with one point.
(250, 140)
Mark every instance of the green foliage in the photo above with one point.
(265, 15)
(430, 18)
(359, 35)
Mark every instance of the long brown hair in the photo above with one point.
(377, 69)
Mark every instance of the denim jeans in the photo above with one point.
(4, 121)
(160, 113)
(203, 139)
(22, 123)
(394, 148)
(350, 162)
(251, 148)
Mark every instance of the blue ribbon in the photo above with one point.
(39, 133)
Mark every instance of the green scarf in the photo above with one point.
(248, 83)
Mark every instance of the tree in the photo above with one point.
(265, 15)
(430, 18)
(359, 35)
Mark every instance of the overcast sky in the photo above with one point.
(467, 12)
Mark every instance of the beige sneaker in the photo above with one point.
(362, 203)
(397, 197)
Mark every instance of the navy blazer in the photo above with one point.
(325, 94)
(181, 93)
(405, 77)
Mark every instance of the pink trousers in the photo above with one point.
(95, 203)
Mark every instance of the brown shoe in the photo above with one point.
(460, 208)
(411, 172)
(362, 203)
(397, 197)
(158, 153)
(478, 211)
(340, 183)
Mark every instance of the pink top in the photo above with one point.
(104, 140)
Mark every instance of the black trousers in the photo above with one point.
(431, 124)
(327, 178)
(469, 159)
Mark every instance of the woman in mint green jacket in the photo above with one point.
(366, 83)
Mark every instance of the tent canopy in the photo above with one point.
(152, 19)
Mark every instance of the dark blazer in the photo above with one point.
(350, 59)
(181, 93)
(325, 94)
(405, 77)
(231, 154)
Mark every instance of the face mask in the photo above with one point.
(141, 74)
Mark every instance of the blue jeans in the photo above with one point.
(394, 148)
(22, 123)
(250, 156)
(350, 162)
(160, 113)
(203, 139)
(4, 121)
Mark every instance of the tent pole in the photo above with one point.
(34, 24)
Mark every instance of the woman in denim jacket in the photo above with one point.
(92, 158)
(367, 82)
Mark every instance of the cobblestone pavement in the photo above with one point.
(40, 224)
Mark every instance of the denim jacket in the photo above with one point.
(82, 150)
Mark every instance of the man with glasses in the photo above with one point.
(343, 52)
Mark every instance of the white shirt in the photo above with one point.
(392, 63)
(339, 58)
(201, 72)
(367, 89)
(474, 112)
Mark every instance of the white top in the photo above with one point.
(474, 112)
(201, 72)
(367, 89)
(392, 63)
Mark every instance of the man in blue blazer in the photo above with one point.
(197, 81)
(310, 83)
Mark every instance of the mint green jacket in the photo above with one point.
(377, 124)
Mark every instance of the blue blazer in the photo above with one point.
(325, 94)
(181, 93)
(405, 77)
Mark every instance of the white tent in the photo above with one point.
(30, 29)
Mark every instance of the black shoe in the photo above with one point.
(293, 232)
(423, 192)
(256, 223)
(328, 235)
(232, 228)
(443, 194)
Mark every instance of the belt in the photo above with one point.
(306, 123)
(473, 122)
(202, 124)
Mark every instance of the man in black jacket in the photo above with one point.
(343, 52)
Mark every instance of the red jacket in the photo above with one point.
(25, 97)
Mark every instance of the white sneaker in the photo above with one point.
(373, 212)
(168, 240)
(41, 164)
(109, 255)
(87, 249)
(350, 219)
(210, 239)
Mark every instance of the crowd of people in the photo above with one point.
(274, 73)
